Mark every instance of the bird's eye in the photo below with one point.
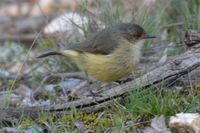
(137, 36)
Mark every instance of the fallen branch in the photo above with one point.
(172, 70)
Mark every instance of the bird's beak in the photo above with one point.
(146, 36)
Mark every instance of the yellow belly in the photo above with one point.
(105, 68)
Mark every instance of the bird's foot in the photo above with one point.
(72, 93)
(124, 80)
(94, 94)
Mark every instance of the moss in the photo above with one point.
(46, 44)
(27, 123)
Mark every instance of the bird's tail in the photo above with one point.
(68, 53)
(49, 54)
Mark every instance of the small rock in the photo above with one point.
(69, 83)
(158, 123)
(66, 23)
(185, 123)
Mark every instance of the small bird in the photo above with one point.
(109, 54)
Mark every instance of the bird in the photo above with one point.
(109, 54)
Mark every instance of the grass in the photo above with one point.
(186, 12)
(152, 103)
(141, 104)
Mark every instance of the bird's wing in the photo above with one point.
(102, 42)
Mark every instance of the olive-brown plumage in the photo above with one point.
(105, 41)
(109, 54)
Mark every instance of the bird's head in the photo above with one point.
(134, 32)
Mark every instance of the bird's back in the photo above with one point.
(105, 41)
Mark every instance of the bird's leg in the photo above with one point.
(92, 93)
(87, 82)
(72, 93)
(122, 81)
